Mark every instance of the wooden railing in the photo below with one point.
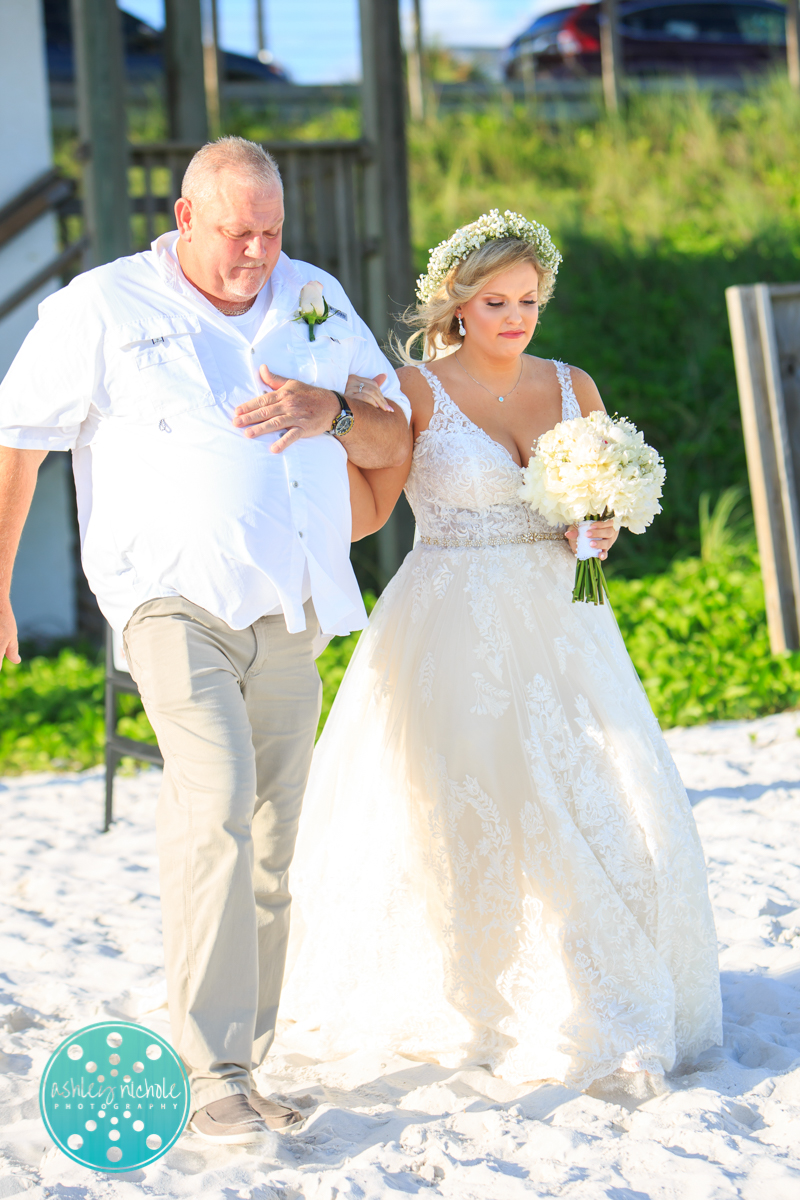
(51, 192)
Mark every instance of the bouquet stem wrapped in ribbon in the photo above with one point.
(595, 464)
(590, 582)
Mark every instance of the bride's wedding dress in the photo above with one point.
(497, 860)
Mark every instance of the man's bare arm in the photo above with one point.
(380, 437)
(18, 471)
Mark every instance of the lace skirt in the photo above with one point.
(497, 860)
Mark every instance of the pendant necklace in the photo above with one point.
(501, 399)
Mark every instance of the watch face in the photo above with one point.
(343, 424)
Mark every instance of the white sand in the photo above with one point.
(80, 941)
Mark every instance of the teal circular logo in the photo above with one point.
(114, 1096)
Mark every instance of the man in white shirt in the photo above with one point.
(215, 532)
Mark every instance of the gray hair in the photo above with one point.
(247, 159)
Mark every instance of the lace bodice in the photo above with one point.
(463, 484)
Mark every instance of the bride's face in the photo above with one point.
(501, 319)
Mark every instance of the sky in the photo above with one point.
(330, 54)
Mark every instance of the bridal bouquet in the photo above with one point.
(590, 469)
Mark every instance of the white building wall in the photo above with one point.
(43, 590)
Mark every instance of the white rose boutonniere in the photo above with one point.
(313, 307)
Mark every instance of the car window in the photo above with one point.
(708, 23)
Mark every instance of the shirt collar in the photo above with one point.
(285, 279)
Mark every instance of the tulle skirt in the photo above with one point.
(497, 861)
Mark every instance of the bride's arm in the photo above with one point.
(373, 495)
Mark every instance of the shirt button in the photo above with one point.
(295, 483)
(300, 534)
(252, 349)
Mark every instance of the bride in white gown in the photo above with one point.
(497, 861)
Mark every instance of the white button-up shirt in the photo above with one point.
(132, 369)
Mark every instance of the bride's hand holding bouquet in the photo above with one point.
(594, 469)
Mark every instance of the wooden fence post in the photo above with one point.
(416, 84)
(610, 55)
(211, 71)
(793, 43)
(384, 125)
(389, 283)
(186, 95)
(100, 81)
(765, 332)
(261, 31)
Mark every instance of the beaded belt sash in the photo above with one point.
(457, 544)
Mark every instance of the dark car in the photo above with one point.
(143, 49)
(658, 37)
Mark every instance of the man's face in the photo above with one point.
(229, 245)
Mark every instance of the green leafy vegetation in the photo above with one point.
(51, 713)
(698, 638)
(697, 633)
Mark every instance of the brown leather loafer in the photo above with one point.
(274, 1116)
(230, 1121)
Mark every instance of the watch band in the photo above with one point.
(342, 423)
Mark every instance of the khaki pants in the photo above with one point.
(235, 713)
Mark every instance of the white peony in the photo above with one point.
(592, 467)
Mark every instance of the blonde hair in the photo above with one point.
(248, 159)
(435, 319)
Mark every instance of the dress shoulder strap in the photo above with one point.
(569, 401)
(440, 396)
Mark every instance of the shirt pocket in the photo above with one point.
(331, 352)
(159, 368)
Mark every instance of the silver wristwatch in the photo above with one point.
(343, 422)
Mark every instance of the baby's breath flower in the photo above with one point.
(488, 228)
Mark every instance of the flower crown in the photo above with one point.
(488, 228)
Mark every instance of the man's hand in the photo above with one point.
(300, 409)
(9, 646)
(380, 436)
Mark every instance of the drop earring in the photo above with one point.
(461, 328)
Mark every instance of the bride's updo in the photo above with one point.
(460, 268)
